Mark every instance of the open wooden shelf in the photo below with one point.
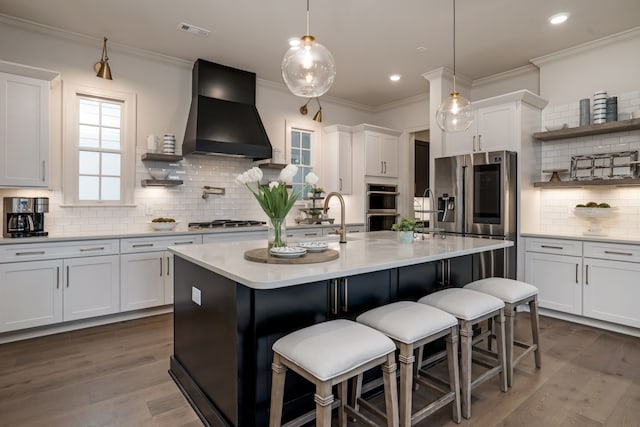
(611, 127)
(588, 183)
(161, 182)
(162, 157)
(272, 165)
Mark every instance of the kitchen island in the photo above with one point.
(229, 311)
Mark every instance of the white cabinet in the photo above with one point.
(330, 230)
(24, 131)
(43, 292)
(602, 283)
(146, 273)
(304, 233)
(235, 236)
(337, 152)
(379, 147)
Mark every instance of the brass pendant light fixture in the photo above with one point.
(102, 67)
(308, 68)
(304, 110)
(455, 113)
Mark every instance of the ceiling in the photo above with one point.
(369, 39)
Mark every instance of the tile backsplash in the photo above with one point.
(556, 205)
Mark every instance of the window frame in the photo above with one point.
(71, 149)
(316, 136)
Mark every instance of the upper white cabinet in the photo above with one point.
(380, 149)
(337, 174)
(24, 130)
(498, 124)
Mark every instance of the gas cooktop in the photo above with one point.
(225, 223)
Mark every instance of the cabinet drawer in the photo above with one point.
(42, 251)
(612, 251)
(554, 246)
(331, 230)
(149, 244)
(305, 233)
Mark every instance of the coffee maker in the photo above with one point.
(24, 216)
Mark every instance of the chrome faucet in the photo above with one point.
(342, 231)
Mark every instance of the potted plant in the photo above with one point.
(405, 229)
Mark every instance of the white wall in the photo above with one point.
(163, 89)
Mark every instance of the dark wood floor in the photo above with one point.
(116, 375)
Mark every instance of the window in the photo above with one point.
(99, 147)
(302, 148)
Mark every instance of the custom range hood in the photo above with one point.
(223, 119)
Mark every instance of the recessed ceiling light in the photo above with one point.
(559, 18)
(394, 77)
(294, 41)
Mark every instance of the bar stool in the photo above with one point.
(470, 308)
(514, 293)
(328, 354)
(411, 325)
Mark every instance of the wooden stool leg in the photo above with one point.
(535, 330)
(454, 372)
(390, 390)
(323, 399)
(508, 340)
(356, 391)
(342, 395)
(466, 341)
(406, 360)
(490, 333)
(500, 340)
(277, 391)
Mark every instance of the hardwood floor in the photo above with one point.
(116, 375)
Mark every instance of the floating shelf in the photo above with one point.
(272, 165)
(161, 182)
(588, 183)
(611, 127)
(162, 157)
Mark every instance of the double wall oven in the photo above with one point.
(382, 206)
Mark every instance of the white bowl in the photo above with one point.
(158, 173)
(594, 213)
(556, 127)
(164, 226)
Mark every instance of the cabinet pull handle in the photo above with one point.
(340, 181)
(30, 253)
(57, 277)
(618, 253)
(442, 282)
(184, 242)
(345, 307)
(448, 272)
(143, 245)
(587, 275)
(479, 142)
(381, 167)
(67, 276)
(44, 171)
(161, 269)
(473, 144)
(168, 266)
(551, 247)
(576, 273)
(334, 306)
(101, 248)
(311, 234)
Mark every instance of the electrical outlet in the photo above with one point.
(196, 295)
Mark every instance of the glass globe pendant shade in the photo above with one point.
(455, 114)
(308, 69)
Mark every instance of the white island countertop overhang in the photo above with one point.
(366, 252)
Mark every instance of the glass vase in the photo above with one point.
(277, 233)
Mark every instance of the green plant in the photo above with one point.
(406, 224)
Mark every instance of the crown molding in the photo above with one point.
(604, 41)
(497, 78)
(422, 97)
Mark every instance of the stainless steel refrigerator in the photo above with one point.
(476, 196)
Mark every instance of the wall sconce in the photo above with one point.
(318, 116)
(102, 67)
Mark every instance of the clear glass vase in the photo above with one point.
(277, 233)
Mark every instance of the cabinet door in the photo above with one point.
(389, 156)
(496, 128)
(91, 287)
(24, 139)
(357, 294)
(345, 164)
(611, 291)
(168, 277)
(142, 280)
(558, 279)
(456, 143)
(304, 233)
(373, 163)
(30, 294)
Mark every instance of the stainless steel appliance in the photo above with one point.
(382, 206)
(476, 196)
(24, 216)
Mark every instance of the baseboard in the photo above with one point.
(601, 324)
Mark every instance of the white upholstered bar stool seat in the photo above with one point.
(411, 325)
(514, 293)
(470, 308)
(328, 354)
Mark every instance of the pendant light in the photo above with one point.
(455, 114)
(102, 67)
(308, 69)
(304, 110)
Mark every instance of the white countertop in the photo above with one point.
(363, 253)
(630, 239)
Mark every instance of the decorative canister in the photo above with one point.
(585, 114)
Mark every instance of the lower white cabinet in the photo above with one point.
(591, 279)
(40, 293)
